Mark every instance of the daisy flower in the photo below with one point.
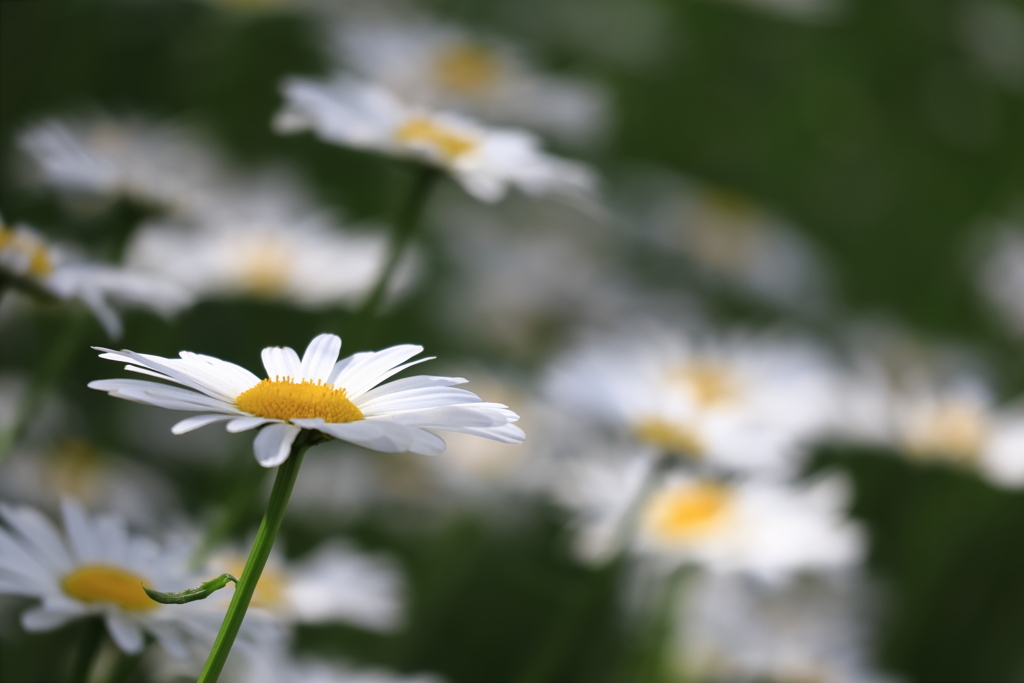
(443, 66)
(97, 569)
(715, 401)
(334, 583)
(53, 270)
(818, 628)
(108, 157)
(1001, 277)
(339, 399)
(485, 161)
(768, 530)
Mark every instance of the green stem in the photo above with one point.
(56, 358)
(92, 639)
(282, 491)
(404, 228)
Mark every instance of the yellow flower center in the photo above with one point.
(682, 512)
(283, 399)
(466, 68)
(710, 384)
(39, 263)
(269, 593)
(265, 267)
(103, 583)
(953, 430)
(671, 436)
(420, 130)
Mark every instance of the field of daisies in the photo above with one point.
(578, 341)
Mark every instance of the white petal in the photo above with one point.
(453, 417)
(80, 532)
(320, 356)
(281, 361)
(361, 375)
(407, 383)
(378, 435)
(45, 619)
(162, 395)
(124, 632)
(37, 531)
(242, 424)
(274, 442)
(196, 421)
(508, 433)
(417, 399)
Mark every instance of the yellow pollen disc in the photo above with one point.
(466, 68)
(39, 263)
(421, 130)
(265, 267)
(279, 399)
(954, 431)
(270, 588)
(710, 384)
(682, 512)
(669, 436)
(102, 583)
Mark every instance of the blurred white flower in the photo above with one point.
(97, 569)
(485, 161)
(334, 583)
(277, 665)
(340, 399)
(446, 67)
(804, 10)
(817, 628)
(992, 32)
(108, 157)
(54, 270)
(771, 531)
(716, 401)
(727, 239)
(1001, 277)
(307, 261)
(45, 473)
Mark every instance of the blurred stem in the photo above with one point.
(282, 491)
(124, 666)
(567, 627)
(405, 225)
(649, 661)
(51, 367)
(92, 639)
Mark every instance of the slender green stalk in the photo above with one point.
(56, 358)
(92, 639)
(282, 491)
(404, 228)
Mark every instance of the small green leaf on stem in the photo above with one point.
(205, 590)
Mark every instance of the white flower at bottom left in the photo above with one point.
(96, 569)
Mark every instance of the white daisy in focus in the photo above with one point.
(309, 262)
(334, 583)
(339, 399)
(445, 67)
(97, 569)
(108, 157)
(714, 401)
(484, 161)
(33, 264)
(767, 530)
(817, 628)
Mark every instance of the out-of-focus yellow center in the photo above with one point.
(265, 267)
(682, 512)
(39, 262)
(283, 399)
(467, 68)
(103, 583)
(954, 430)
(670, 436)
(420, 130)
(710, 384)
